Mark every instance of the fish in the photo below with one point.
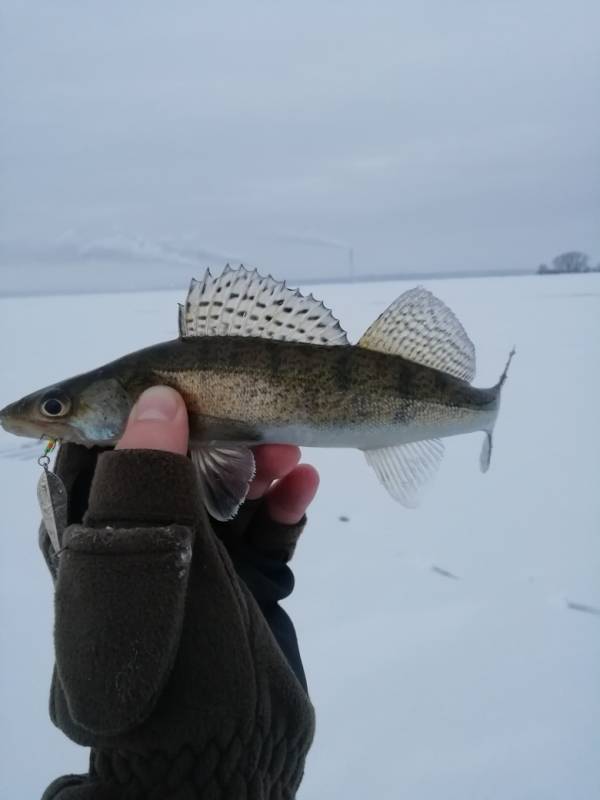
(258, 362)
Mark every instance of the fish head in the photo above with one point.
(90, 409)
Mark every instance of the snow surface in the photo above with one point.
(452, 651)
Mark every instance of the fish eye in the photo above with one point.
(56, 404)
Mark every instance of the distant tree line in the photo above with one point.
(572, 261)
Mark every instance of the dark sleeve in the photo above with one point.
(260, 550)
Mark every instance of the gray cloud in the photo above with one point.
(424, 136)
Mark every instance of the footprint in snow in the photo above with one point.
(583, 607)
(444, 572)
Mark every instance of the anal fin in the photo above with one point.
(405, 468)
(224, 474)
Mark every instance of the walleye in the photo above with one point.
(258, 362)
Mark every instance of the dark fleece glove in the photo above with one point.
(174, 661)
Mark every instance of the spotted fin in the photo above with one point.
(405, 469)
(421, 328)
(224, 474)
(240, 302)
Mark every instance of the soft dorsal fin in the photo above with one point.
(240, 302)
(421, 328)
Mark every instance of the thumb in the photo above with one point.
(158, 421)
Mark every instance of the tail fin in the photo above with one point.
(502, 380)
(486, 449)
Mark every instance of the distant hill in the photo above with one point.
(98, 277)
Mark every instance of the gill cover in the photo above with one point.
(101, 411)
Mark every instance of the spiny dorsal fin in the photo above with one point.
(421, 328)
(240, 302)
(405, 468)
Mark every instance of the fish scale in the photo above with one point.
(235, 378)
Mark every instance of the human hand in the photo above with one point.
(159, 421)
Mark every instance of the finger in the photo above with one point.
(158, 421)
(288, 500)
(273, 461)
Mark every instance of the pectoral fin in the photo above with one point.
(404, 469)
(224, 474)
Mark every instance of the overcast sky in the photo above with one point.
(424, 135)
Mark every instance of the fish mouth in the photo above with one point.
(5, 418)
(16, 427)
(13, 422)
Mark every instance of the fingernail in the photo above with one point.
(158, 404)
